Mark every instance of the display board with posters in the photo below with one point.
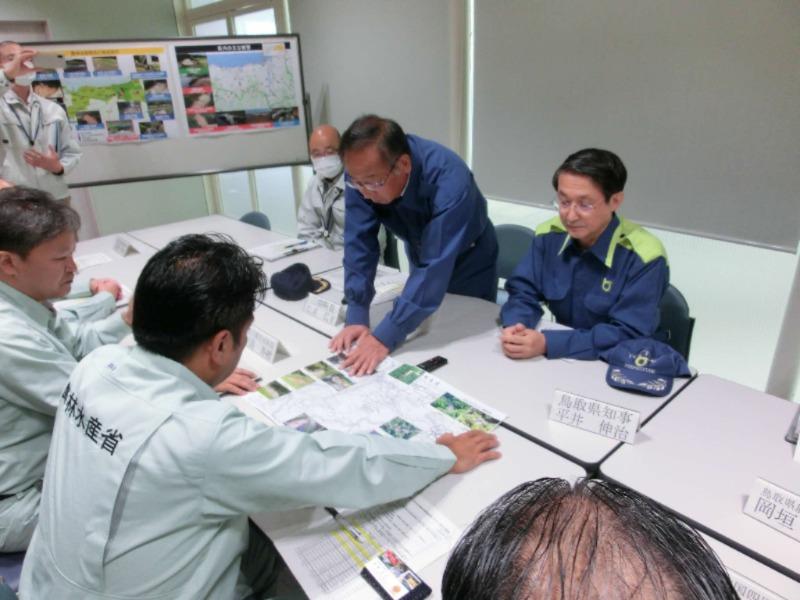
(153, 109)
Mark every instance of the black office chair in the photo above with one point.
(514, 241)
(256, 218)
(675, 326)
(391, 256)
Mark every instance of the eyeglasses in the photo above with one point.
(563, 205)
(372, 186)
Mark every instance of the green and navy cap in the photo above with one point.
(644, 365)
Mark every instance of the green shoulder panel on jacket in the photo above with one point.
(643, 243)
(553, 225)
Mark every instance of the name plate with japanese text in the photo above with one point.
(123, 248)
(750, 590)
(324, 310)
(263, 344)
(774, 506)
(594, 416)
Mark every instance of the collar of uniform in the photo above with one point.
(338, 182)
(166, 365)
(12, 98)
(603, 248)
(415, 181)
(33, 309)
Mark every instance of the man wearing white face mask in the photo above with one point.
(321, 213)
(36, 139)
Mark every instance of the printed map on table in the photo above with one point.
(399, 400)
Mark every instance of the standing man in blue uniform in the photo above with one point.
(424, 194)
(597, 272)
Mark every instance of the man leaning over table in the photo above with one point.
(152, 501)
(597, 272)
(427, 196)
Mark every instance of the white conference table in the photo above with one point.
(294, 309)
(106, 245)
(701, 456)
(751, 577)
(459, 497)
(247, 236)
(124, 269)
(464, 330)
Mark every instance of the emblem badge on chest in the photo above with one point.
(606, 285)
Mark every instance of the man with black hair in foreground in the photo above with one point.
(597, 540)
(150, 497)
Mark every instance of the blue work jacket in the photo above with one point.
(608, 293)
(449, 239)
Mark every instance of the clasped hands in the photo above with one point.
(519, 341)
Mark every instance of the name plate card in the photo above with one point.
(594, 416)
(324, 310)
(91, 260)
(750, 590)
(263, 344)
(123, 247)
(774, 506)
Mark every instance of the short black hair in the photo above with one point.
(371, 129)
(29, 217)
(193, 288)
(548, 539)
(603, 167)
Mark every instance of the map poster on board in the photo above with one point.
(113, 95)
(238, 87)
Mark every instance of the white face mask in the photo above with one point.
(25, 80)
(328, 166)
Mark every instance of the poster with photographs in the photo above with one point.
(239, 87)
(113, 96)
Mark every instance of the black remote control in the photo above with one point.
(432, 364)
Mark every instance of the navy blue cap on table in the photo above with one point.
(645, 366)
(295, 282)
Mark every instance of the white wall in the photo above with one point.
(390, 57)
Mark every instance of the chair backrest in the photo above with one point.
(513, 241)
(256, 218)
(675, 326)
(391, 255)
(6, 593)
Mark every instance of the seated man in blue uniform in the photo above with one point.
(600, 274)
(151, 477)
(41, 345)
(427, 196)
